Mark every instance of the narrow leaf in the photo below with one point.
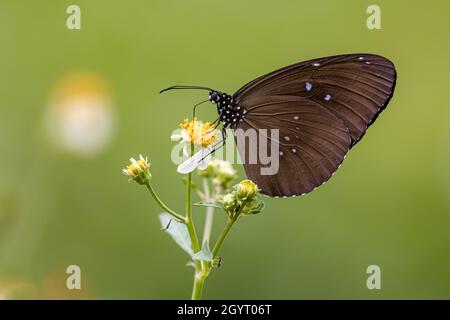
(208, 204)
(178, 231)
(204, 254)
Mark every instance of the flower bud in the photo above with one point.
(138, 170)
(221, 172)
(246, 189)
(228, 201)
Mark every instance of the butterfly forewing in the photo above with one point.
(355, 87)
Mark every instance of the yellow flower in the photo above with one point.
(138, 170)
(200, 133)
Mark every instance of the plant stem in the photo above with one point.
(222, 236)
(202, 274)
(199, 281)
(177, 216)
(209, 213)
(189, 220)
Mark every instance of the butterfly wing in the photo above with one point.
(312, 143)
(354, 87)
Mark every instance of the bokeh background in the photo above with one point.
(76, 104)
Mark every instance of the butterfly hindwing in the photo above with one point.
(312, 143)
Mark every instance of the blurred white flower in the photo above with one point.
(221, 172)
(79, 117)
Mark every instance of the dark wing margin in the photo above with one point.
(356, 88)
(312, 143)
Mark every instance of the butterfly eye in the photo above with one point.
(213, 96)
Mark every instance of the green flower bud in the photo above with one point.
(246, 189)
(229, 201)
(221, 172)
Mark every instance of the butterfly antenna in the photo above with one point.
(186, 87)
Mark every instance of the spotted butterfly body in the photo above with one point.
(321, 107)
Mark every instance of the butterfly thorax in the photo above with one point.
(230, 113)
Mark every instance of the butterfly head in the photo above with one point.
(214, 96)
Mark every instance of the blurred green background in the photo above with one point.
(388, 205)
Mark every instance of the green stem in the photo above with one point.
(179, 217)
(189, 220)
(202, 274)
(199, 281)
(222, 236)
(209, 213)
(199, 276)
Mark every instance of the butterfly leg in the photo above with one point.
(195, 107)
(216, 122)
(222, 143)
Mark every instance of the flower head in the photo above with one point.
(202, 135)
(138, 170)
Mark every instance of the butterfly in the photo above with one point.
(321, 109)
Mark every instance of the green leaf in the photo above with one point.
(209, 204)
(257, 208)
(204, 254)
(178, 231)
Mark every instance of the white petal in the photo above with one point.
(185, 150)
(177, 135)
(190, 164)
(203, 164)
(132, 160)
(185, 135)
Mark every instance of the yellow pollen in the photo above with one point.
(200, 133)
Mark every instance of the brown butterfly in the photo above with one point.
(321, 108)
